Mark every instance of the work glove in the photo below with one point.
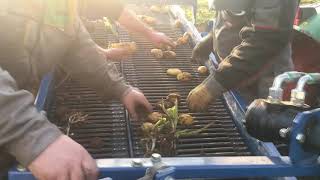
(202, 50)
(200, 97)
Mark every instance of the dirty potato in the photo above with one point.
(131, 47)
(185, 76)
(173, 71)
(173, 97)
(178, 24)
(185, 119)
(203, 70)
(155, 9)
(147, 127)
(157, 53)
(167, 104)
(169, 55)
(184, 39)
(154, 117)
(147, 19)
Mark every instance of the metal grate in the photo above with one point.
(149, 75)
(104, 134)
(120, 137)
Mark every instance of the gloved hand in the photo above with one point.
(204, 94)
(134, 99)
(202, 50)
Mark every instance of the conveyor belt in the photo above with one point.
(104, 134)
(121, 137)
(149, 74)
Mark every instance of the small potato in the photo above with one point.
(155, 9)
(165, 103)
(173, 71)
(184, 39)
(147, 127)
(185, 119)
(203, 70)
(169, 55)
(185, 76)
(131, 47)
(173, 97)
(178, 24)
(154, 117)
(147, 19)
(157, 53)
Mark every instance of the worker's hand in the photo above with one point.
(117, 53)
(207, 92)
(202, 50)
(64, 159)
(160, 39)
(133, 100)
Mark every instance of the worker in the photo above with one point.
(35, 36)
(252, 41)
(96, 9)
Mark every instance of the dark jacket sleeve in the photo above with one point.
(269, 34)
(24, 131)
(87, 63)
(96, 9)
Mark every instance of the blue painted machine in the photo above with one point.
(225, 151)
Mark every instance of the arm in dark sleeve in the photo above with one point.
(87, 63)
(24, 132)
(269, 34)
(103, 8)
(251, 56)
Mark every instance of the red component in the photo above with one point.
(306, 58)
(297, 19)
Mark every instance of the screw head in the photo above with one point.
(155, 157)
(301, 138)
(284, 132)
(137, 163)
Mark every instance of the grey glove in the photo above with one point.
(202, 50)
(204, 94)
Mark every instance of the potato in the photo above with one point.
(178, 24)
(157, 53)
(169, 55)
(173, 71)
(185, 76)
(155, 9)
(147, 19)
(147, 127)
(166, 104)
(203, 70)
(154, 117)
(184, 39)
(173, 97)
(129, 46)
(185, 119)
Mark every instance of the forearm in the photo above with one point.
(130, 21)
(24, 132)
(254, 54)
(87, 62)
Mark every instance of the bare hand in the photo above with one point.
(117, 53)
(133, 100)
(159, 39)
(64, 160)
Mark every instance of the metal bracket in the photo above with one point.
(296, 152)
